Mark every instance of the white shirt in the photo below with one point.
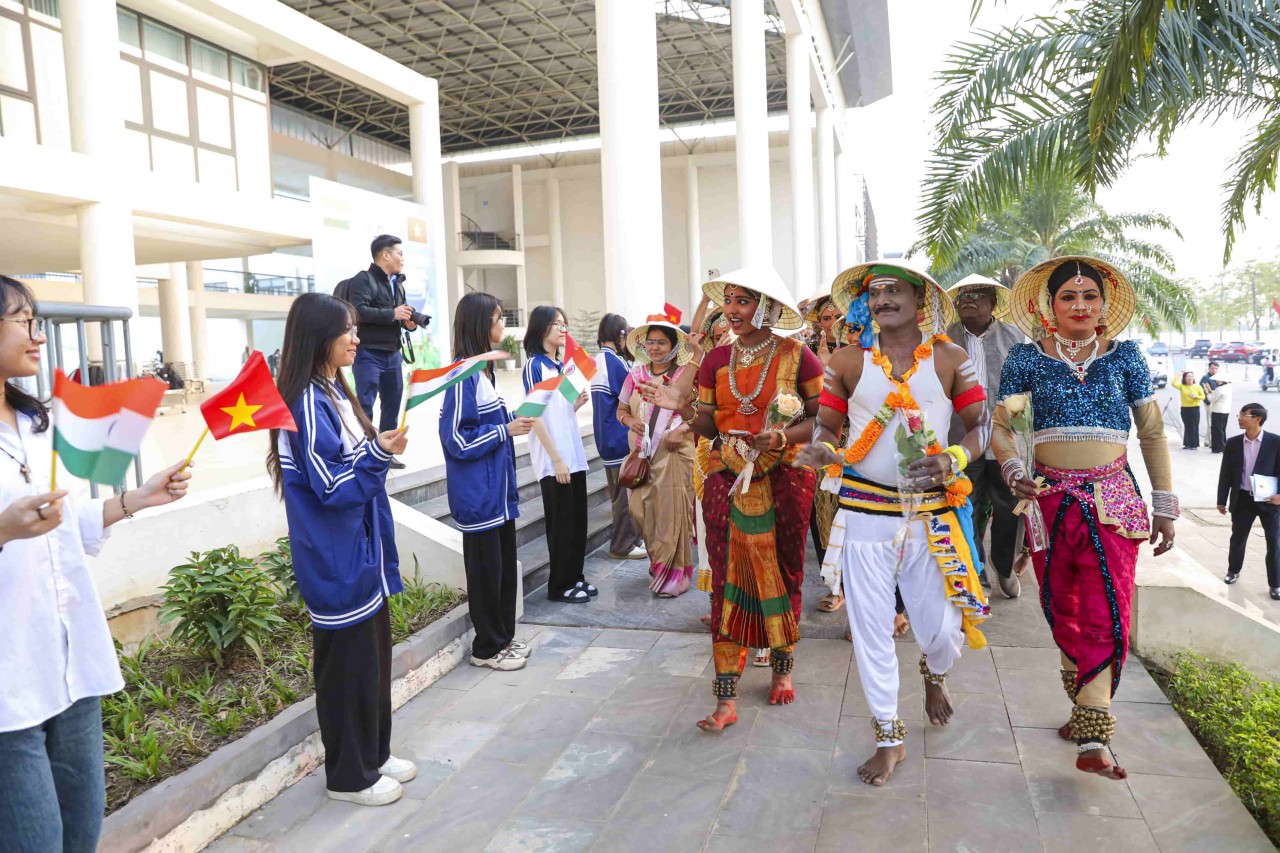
(561, 420)
(1220, 400)
(1251, 448)
(55, 647)
(978, 355)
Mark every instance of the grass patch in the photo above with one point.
(1236, 717)
(183, 699)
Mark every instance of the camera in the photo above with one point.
(421, 320)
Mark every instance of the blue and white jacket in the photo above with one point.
(335, 497)
(479, 461)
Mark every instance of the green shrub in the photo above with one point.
(279, 565)
(419, 604)
(510, 345)
(219, 599)
(1236, 716)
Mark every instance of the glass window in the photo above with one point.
(44, 7)
(13, 58)
(164, 43)
(217, 170)
(173, 159)
(213, 112)
(17, 119)
(245, 73)
(209, 60)
(127, 24)
(131, 94)
(137, 149)
(169, 104)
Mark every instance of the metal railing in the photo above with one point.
(112, 367)
(474, 238)
(239, 281)
(513, 317)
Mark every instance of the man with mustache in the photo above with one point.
(901, 384)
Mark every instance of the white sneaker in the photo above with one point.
(518, 648)
(400, 769)
(636, 553)
(503, 661)
(383, 792)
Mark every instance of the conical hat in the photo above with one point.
(973, 282)
(1030, 298)
(636, 338)
(813, 305)
(851, 282)
(765, 281)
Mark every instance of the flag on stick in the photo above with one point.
(672, 313)
(425, 384)
(535, 403)
(98, 430)
(579, 369)
(1275, 306)
(251, 402)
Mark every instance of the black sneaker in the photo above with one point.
(396, 464)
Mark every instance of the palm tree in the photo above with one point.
(1076, 93)
(1056, 218)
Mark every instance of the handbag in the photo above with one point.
(635, 468)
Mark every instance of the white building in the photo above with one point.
(158, 154)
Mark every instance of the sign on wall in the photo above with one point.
(346, 219)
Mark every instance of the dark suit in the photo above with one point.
(1244, 509)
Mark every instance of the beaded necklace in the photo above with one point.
(746, 404)
(1073, 348)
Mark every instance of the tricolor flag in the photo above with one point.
(98, 430)
(251, 402)
(425, 384)
(579, 368)
(535, 402)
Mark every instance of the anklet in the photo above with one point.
(782, 663)
(1069, 683)
(895, 730)
(725, 687)
(931, 677)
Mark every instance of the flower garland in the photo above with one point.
(959, 489)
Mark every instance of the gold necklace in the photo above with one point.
(746, 404)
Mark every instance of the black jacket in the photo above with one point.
(375, 300)
(1268, 465)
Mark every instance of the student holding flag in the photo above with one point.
(612, 369)
(332, 475)
(480, 468)
(57, 658)
(556, 450)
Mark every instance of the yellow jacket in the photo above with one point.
(1192, 395)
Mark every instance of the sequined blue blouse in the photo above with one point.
(1066, 409)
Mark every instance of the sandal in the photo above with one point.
(587, 588)
(761, 658)
(831, 603)
(573, 595)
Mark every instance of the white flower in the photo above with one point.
(1014, 404)
(788, 405)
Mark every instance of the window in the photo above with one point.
(131, 94)
(44, 7)
(207, 59)
(18, 119)
(169, 107)
(213, 111)
(127, 24)
(164, 43)
(13, 56)
(246, 74)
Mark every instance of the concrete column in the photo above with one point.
(827, 258)
(693, 234)
(847, 253)
(555, 240)
(424, 154)
(751, 112)
(630, 165)
(800, 147)
(248, 335)
(175, 316)
(452, 228)
(195, 295)
(97, 129)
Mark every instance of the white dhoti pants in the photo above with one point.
(867, 562)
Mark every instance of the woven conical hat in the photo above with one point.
(765, 281)
(1030, 296)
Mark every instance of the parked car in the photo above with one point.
(1257, 350)
(1233, 351)
(1158, 348)
(1200, 349)
(1159, 379)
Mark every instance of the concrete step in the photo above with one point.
(534, 562)
(527, 486)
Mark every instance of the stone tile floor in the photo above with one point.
(593, 747)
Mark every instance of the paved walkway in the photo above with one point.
(593, 747)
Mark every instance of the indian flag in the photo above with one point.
(579, 369)
(98, 430)
(535, 402)
(425, 384)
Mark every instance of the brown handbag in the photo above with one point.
(635, 468)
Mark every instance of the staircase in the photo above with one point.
(431, 499)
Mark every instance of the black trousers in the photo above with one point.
(565, 516)
(1218, 431)
(1191, 426)
(353, 700)
(1243, 513)
(490, 560)
(989, 486)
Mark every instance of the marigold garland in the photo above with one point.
(959, 490)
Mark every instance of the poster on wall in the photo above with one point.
(346, 219)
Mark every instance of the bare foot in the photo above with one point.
(879, 767)
(900, 625)
(1064, 731)
(1099, 761)
(937, 703)
(725, 714)
(781, 692)
(705, 619)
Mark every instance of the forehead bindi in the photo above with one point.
(731, 293)
(894, 285)
(1086, 291)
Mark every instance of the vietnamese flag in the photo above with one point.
(251, 402)
(1275, 306)
(672, 313)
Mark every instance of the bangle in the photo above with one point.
(1012, 471)
(1165, 504)
(124, 508)
(961, 458)
(784, 439)
(830, 447)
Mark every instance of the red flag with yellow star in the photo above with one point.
(251, 402)
(672, 313)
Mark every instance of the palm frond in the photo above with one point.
(1127, 58)
(1252, 175)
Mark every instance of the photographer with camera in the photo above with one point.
(379, 298)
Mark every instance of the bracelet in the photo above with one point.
(830, 447)
(1165, 504)
(124, 508)
(1012, 471)
(957, 452)
(784, 439)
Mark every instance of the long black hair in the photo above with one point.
(1068, 270)
(613, 330)
(472, 320)
(540, 319)
(14, 296)
(315, 320)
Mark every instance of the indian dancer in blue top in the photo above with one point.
(1086, 391)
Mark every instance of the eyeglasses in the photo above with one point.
(657, 343)
(35, 325)
(499, 320)
(564, 327)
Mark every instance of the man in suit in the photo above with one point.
(1255, 452)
